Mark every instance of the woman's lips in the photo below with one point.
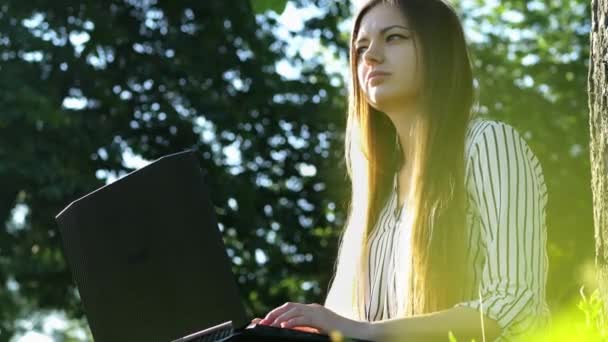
(376, 76)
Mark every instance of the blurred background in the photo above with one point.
(90, 90)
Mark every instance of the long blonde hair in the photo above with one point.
(431, 277)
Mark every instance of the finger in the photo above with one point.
(299, 322)
(253, 323)
(273, 314)
(294, 311)
(307, 329)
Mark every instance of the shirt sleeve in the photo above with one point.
(505, 182)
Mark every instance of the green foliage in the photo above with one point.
(160, 77)
(261, 6)
(153, 78)
(594, 309)
(583, 323)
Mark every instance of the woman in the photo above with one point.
(446, 230)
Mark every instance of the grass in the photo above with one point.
(585, 322)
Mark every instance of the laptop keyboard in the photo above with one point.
(256, 333)
(213, 335)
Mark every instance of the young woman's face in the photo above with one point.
(387, 63)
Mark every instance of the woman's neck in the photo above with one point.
(404, 121)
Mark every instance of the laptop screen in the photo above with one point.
(147, 255)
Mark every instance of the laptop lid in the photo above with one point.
(148, 257)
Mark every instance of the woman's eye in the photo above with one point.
(392, 36)
(361, 50)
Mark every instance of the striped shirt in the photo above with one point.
(505, 229)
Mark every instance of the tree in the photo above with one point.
(85, 82)
(598, 122)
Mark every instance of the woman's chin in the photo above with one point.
(384, 99)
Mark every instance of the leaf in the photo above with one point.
(261, 6)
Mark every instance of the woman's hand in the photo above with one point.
(305, 329)
(307, 316)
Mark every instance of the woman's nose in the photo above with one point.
(373, 55)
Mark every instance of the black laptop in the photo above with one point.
(149, 261)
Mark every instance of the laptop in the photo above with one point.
(149, 261)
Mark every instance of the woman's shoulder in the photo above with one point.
(484, 131)
(499, 145)
(482, 125)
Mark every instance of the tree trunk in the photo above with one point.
(598, 122)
